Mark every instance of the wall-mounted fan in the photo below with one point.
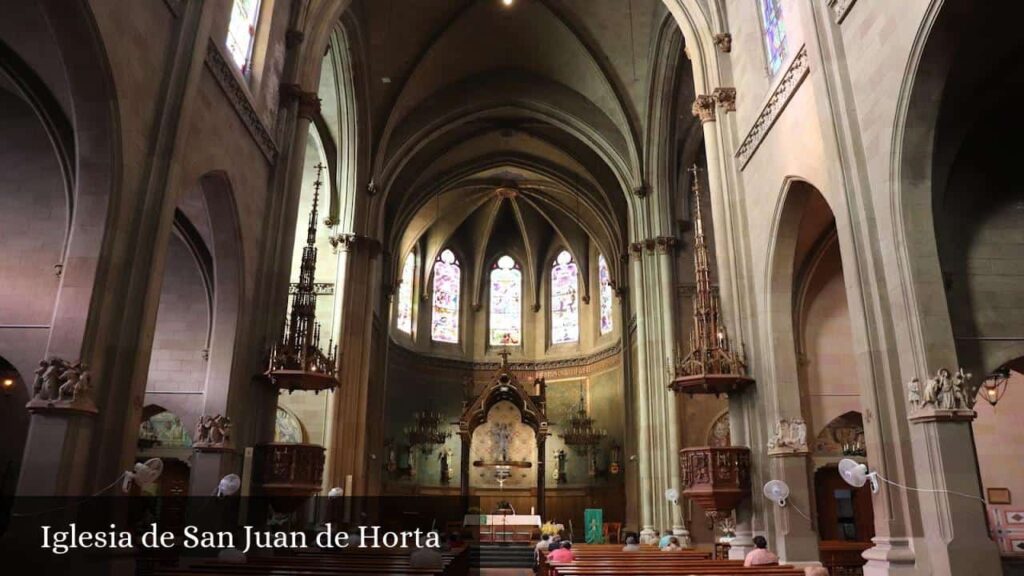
(336, 492)
(777, 491)
(672, 495)
(856, 474)
(144, 474)
(228, 485)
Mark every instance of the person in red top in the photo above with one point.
(760, 556)
(563, 554)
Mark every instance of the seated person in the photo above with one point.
(760, 556)
(541, 547)
(631, 545)
(562, 554)
(665, 535)
(427, 558)
(672, 546)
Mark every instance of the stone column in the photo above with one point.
(658, 426)
(76, 450)
(541, 476)
(952, 513)
(644, 453)
(350, 403)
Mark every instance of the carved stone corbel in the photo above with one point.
(309, 102)
(704, 108)
(726, 98)
(723, 42)
(353, 242)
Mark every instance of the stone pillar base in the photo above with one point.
(741, 545)
(889, 556)
(648, 535)
(682, 534)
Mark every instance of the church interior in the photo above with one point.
(730, 272)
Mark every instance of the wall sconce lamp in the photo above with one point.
(994, 385)
(7, 384)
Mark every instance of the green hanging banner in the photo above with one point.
(593, 519)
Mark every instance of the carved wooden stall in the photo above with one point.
(288, 473)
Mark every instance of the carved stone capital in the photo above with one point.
(726, 98)
(664, 244)
(641, 191)
(723, 42)
(309, 102)
(636, 250)
(939, 415)
(354, 242)
(704, 108)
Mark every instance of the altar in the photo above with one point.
(502, 527)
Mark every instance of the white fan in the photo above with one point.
(672, 495)
(336, 492)
(144, 474)
(856, 474)
(777, 491)
(229, 485)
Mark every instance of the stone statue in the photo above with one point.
(37, 384)
(914, 394)
(75, 383)
(203, 431)
(961, 397)
(445, 457)
(412, 462)
(51, 380)
(392, 463)
(559, 475)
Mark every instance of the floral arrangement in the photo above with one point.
(551, 529)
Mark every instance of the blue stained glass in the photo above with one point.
(774, 34)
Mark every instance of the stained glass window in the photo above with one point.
(245, 15)
(445, 319)
(774, 33)
(404, 315)
(565, 313)
(604, 279)
(506, 303)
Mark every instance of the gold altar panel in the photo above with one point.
(522, 448)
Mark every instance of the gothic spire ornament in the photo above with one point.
(297, 362)
(711, 366)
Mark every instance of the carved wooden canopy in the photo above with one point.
(505, 386)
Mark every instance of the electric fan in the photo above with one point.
(777, 491)
(856, 474)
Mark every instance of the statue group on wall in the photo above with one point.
(946, 391)
(61, 384)
(212, 432)
(790, 437)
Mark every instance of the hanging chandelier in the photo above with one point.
(297, 361)
(427, 431)
(712, 366)
(581, 433)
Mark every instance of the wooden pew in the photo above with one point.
(605, 560)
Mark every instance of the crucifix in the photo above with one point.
(504, 358)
